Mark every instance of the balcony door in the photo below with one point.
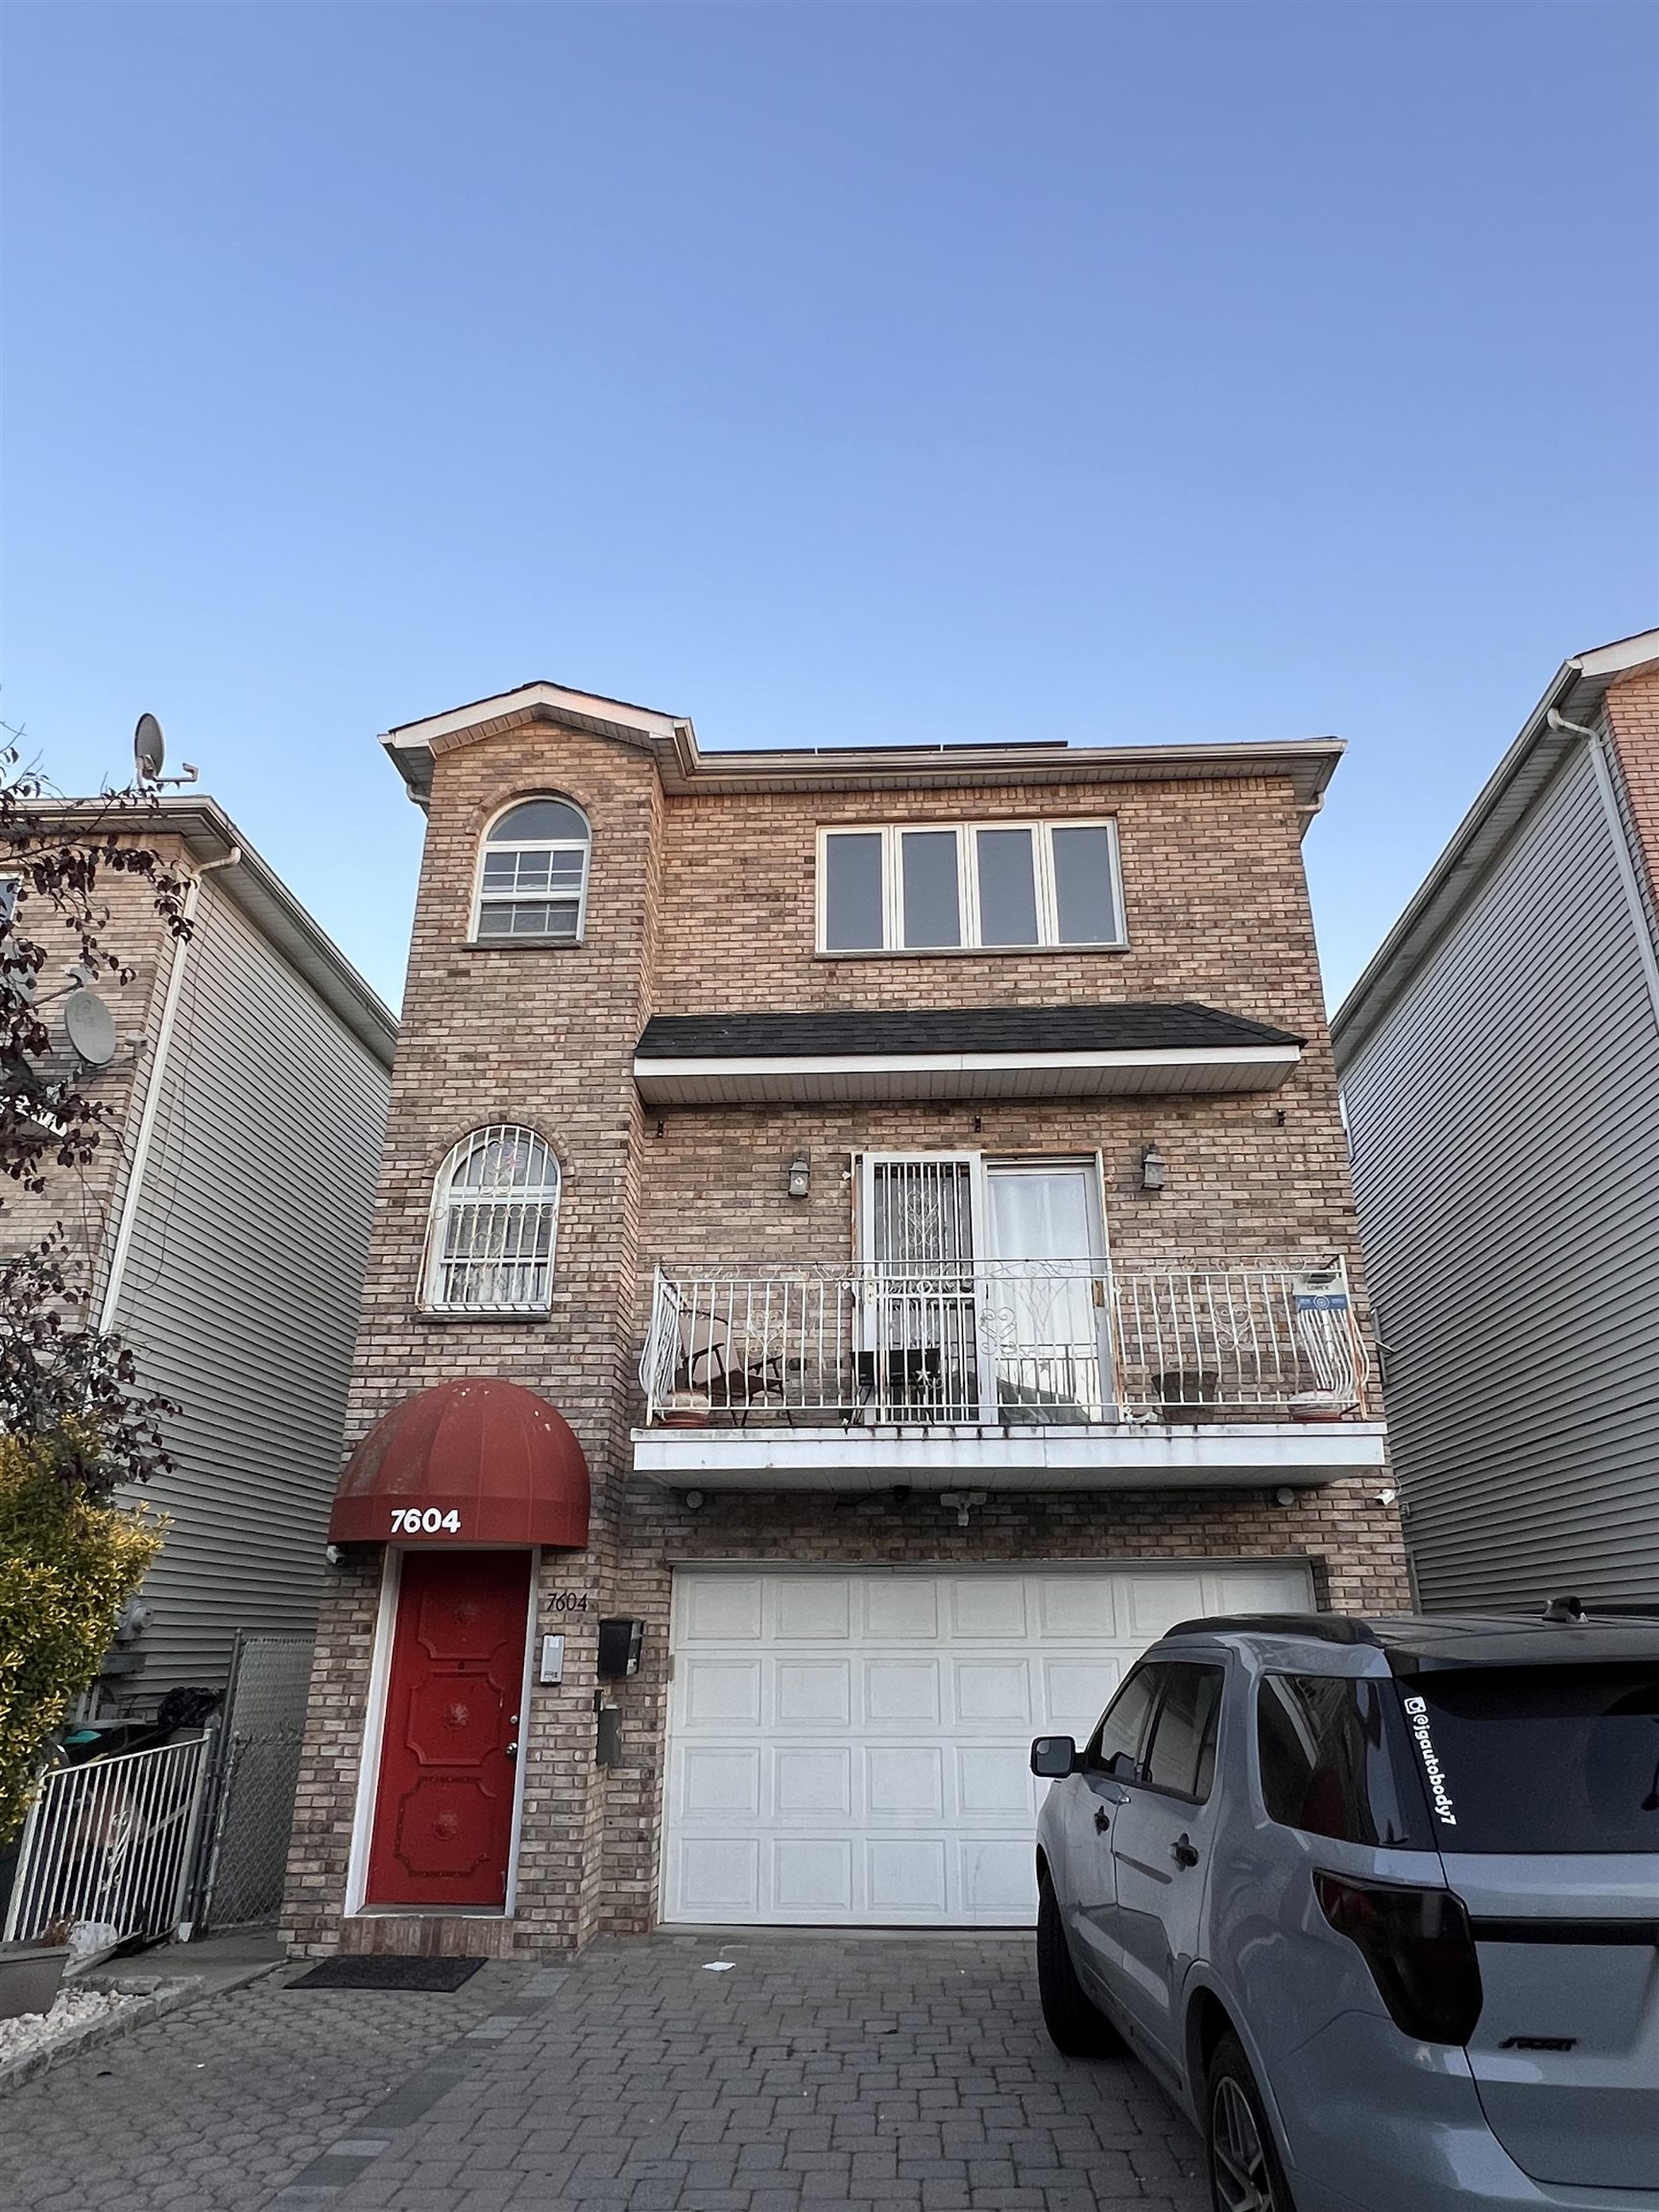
(1044, 1317)
(983, 1288)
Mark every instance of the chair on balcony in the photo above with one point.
(736, 1370)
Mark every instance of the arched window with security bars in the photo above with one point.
(494, 1224)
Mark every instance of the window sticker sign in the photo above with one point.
(1433, 1773)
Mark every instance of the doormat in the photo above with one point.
(388, 1973)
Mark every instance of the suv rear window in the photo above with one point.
(1330, 1755)
(1538, 1759)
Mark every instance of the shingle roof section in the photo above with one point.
(1134, 1025)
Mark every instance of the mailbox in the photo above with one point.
(619, 1643)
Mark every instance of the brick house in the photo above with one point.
(1500, 1060)
(876, 1220)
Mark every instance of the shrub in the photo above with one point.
(68, 1563)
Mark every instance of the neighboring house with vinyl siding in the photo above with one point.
(227, 1215)
(1500, 1067)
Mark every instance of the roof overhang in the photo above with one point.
(1307, 765)
(786, 1079)
(1576, 694)
(206, 834)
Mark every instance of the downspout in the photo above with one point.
(153, 1093)
(1627, 866)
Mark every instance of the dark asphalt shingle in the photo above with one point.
(1132, 1026)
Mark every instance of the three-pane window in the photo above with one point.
(984, 886)
(532, 873)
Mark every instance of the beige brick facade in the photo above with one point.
(706, 905)
(1632, 713)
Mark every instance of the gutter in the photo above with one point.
(153, 1094)
(1483, 836)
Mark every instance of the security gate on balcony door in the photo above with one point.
(850, 1747)
(982, 1288)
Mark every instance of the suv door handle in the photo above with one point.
(1102, 1822)
(1183, 1853)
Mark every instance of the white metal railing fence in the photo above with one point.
(112, 1841)
(1005, 1343)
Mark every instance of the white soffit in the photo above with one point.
(730, 1081)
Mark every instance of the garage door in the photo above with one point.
(851, 1748)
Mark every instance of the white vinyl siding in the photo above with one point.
(852, 1747)
(1505, 1125)
(241, 1292)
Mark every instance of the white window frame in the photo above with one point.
(966, 833)
(482, 899)
(445, 1201)
(984, 1260)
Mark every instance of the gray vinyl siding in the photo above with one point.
(242, 1288)
(1505, 1125)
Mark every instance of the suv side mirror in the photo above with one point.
(1054, 1757)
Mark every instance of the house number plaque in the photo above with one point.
(425, 1520)
(568, 1601)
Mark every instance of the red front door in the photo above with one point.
(444, 1808)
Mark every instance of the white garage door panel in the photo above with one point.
(850, 1750)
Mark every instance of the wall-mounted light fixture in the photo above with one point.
(1153, 1168)
(799, 1174)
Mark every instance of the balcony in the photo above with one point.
(1038, 1374)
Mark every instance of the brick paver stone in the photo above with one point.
(877, 2073)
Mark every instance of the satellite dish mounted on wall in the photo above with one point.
(149, 748)
(91, 1027)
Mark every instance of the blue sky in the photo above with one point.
(826, 373)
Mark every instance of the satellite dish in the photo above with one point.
(91, 1027)
(149, 748)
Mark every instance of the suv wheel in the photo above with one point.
(1076, 2026)
(1245, 2175)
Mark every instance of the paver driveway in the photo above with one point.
(878, 2073)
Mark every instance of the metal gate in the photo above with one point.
(110, 1843)
(255, 1773)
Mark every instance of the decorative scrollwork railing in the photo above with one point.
(1004, 1343)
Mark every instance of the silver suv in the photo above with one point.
(1379, 1901)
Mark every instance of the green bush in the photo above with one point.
(67, 1566)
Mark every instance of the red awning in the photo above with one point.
(467, 1463)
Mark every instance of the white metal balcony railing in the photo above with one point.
(1003, 1345)
(112, 1842)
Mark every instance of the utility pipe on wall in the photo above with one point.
(153, 1093)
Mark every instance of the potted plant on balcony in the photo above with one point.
(688, 1410)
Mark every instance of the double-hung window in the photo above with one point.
(532, 873)
(984, 886)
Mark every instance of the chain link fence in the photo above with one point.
(255, 1773)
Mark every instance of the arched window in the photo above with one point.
(533, 875)
(494, 1214)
